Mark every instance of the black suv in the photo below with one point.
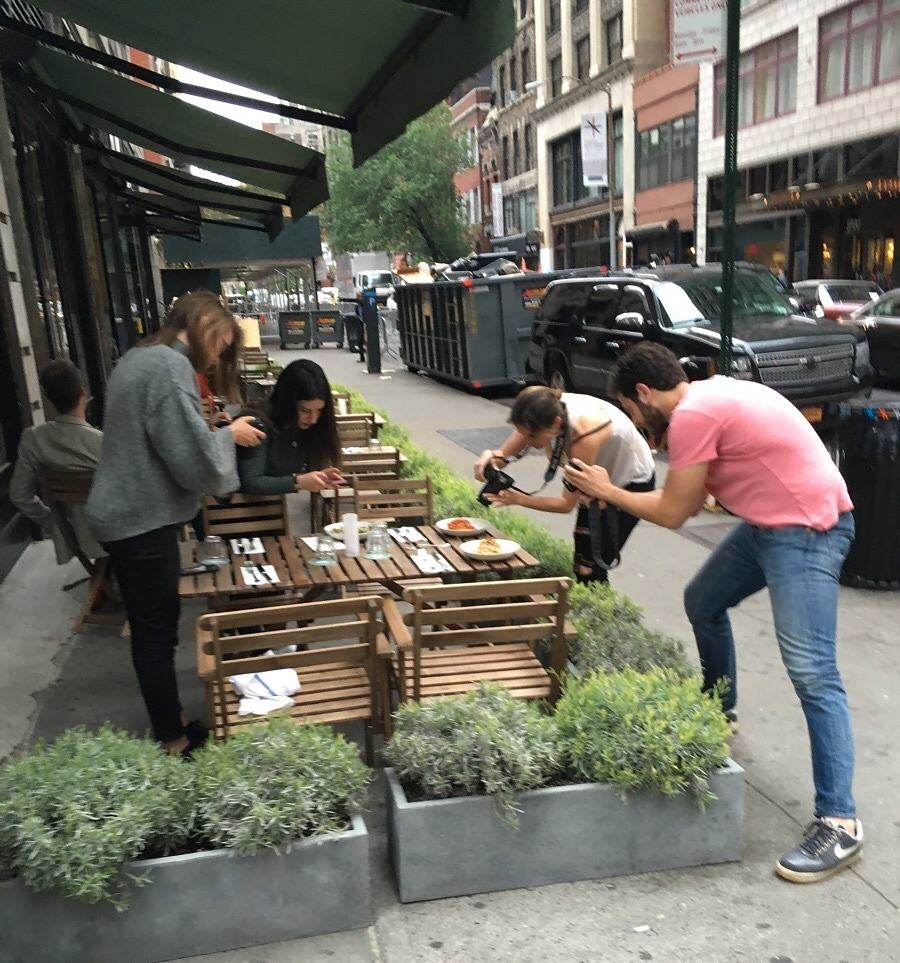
(584, 325)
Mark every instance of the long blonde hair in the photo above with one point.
(201, 315)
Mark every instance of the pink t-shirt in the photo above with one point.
(766, 463)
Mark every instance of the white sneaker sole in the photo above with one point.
(795, 877)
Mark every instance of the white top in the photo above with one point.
(626, 455)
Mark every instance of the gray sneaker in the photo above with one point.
(825, 850)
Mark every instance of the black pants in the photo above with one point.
(615, 527)
(147, 568)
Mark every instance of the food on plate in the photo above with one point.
(489, 546)
(336, 529)
(460, 525)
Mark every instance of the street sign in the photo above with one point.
(698, 30)
(594, 155)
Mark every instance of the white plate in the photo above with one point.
(336, 529)
(479, 525)
(508, 546)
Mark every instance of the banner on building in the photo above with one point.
(497, 209)
(594, 157)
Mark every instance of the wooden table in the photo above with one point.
(390, 572)
(280, 552)
(290, 558)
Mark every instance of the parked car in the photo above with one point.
(834, 299)
(881, 321)
(584, 325)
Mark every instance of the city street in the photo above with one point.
(720, 913)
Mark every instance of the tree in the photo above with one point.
(403, 198)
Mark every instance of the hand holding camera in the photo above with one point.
(496, 481)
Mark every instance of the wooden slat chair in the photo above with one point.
(456, 636)
(343, 404)
(371, 465)
(246, 515)
(409, 499)
(340, 682)
(61, 491)
(354, 431)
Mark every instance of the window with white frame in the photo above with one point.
(859, 47)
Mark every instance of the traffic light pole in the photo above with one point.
(732, 75)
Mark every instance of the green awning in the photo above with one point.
(224, 248)
(190, 135)
(188, 188)
(376, 63)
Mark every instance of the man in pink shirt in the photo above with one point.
(753, 450)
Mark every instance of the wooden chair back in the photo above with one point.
(397, 498)
(371, 464)
(342, 402)
(60, 491)
(246, 515)
(489, 625)
(354, 431)
(340, 681)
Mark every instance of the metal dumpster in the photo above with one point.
(473, 332)
(295, 327)
(869, 458)
(327, 326)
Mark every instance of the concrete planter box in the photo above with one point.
(199, 903)
(458, 847)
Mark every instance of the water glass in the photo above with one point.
(212, 551)
(374, 444)
(378, 543)
(326, 553)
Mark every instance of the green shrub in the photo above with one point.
(653, 730)
(73, 813)
(272, 784)
(484, 742)
(611, 634)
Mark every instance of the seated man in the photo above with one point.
(67, 443)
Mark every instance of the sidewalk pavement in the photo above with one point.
(736, 912)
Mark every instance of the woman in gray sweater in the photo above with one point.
(158, 458)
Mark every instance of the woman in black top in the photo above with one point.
(301, 450)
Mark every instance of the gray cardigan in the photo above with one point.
(159, 455)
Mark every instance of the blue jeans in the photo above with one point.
(801, 568)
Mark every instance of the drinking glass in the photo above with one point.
(326, 553)
(377, 544)
(374, 444)
(212, 551)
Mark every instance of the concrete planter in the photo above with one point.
(199, 903)
(458, 847)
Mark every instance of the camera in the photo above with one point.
(494, 481)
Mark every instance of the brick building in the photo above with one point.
(819, 187)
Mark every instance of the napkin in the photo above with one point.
(407, 534)
(313, 542)
(247, 546)
(253, 575)
(265, 692)
(430, 564)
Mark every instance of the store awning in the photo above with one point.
(264, 209)
(139, 114)
(224, 248)
(374, 64)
